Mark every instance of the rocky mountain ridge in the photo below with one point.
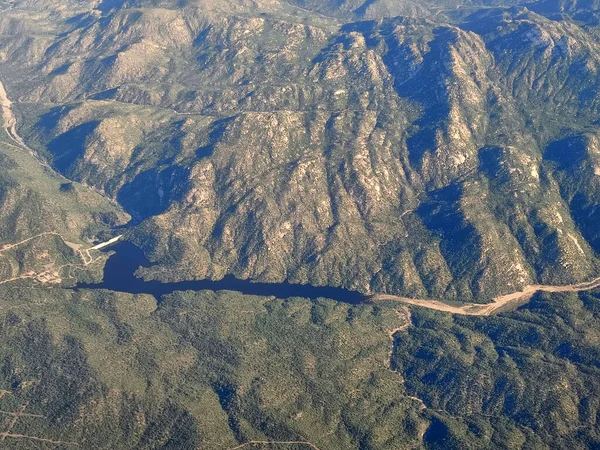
(428, 157)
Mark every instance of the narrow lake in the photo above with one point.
(119, 275)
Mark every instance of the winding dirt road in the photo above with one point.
(10, 126)
(51, 273)
(10, 121)
(498, 303)
(269, 443)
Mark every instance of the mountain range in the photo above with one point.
(430, 149)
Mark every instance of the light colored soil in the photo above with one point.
(10, 121)
(498, 303)
(52, 273)
(38, 439)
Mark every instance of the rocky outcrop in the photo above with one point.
(402, 155)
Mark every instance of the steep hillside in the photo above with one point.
(424, 150)
(287, 142)
(47, 222)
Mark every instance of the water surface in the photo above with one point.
(119, 275)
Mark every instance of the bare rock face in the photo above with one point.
(281, 141)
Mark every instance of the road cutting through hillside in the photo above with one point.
(10, 121)
(271, 443)
(476, 309)
(51, 274)
(10, 126)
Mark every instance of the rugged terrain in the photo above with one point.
(410, 150)
(421, 156)
(104, 370)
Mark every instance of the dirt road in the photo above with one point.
(475, 309)
(10, 121)
(51, 272)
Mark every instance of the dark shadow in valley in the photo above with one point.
(119, 275)
(217, 131)
(152, 191)
(68, 147)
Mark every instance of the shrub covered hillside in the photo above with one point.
(423, 152)
(214, 371)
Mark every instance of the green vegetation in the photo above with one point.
(528, 379)
(36, 200)
(45, 222)
(204, 370)
(214, 370)
(444, 149)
